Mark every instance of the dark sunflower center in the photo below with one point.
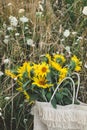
(44, 69)
(42, 82)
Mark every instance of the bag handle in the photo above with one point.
(73, 98)
(78, 85)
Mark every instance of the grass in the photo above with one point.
(46, 31)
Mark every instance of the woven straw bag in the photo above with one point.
(69, 117)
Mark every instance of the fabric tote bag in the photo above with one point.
(68, 117)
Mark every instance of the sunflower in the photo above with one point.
(41, 82)
(9, 73)
(56, 65)
(59, 58)
(25, 68)
(41, 69)
(48, 58)
(63, 74)
(35, 68)
(26, 95)
(77, 68)
(77, 62)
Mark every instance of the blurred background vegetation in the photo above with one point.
(43, 33)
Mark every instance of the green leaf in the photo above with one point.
(49, 76)
(48, 96)
(34, 96)
(59, 96)
(69, 1)
(72, 65)
(25, 74)
(24, 85)
(59, 60)
(45, 59)
(66, 92)
(54, 102)
(67, 101)
(32, 86)
(43, 94)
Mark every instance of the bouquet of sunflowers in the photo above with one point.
(38, 81)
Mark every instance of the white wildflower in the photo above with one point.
(21, 105)
(76, 43)
(62, 40)
(84, 11)
(9, 4)
(67, 48)
(17, 34)
(41, 7)
(85, 65)
(5, 40)
(25, 120)
(13, 21)
(66, 33)
(0, 109)
(6, 61)
(1, 73)
(7, 36)
(39, 14)
(0, 114)
(57, 52)
(30, 42)
(74, 33)
(10, 28)
(4, 25)
(15, 78)
(79, 38)
(26, 28)
(7, 98)
(21, 11)
(23, 19)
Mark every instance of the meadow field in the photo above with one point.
(29, 29)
